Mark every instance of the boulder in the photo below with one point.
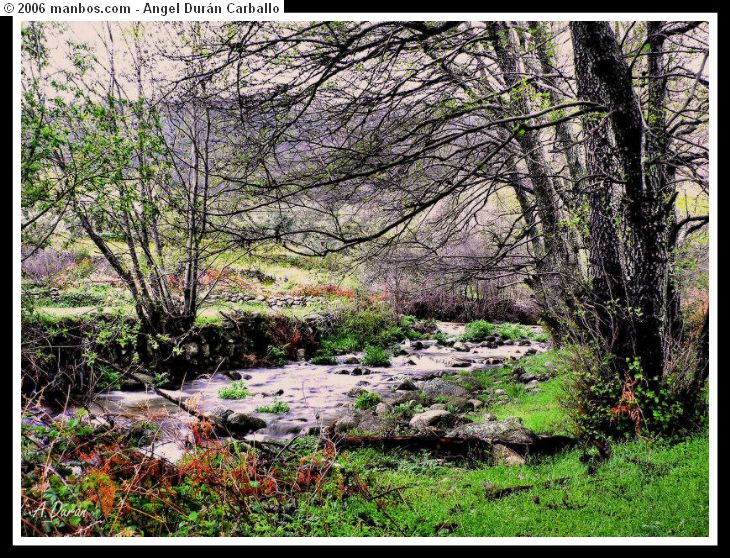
(241, 423)
(508, 456)
(406, 385)
(441, 388)
(348, 422)
(461, 347)
(382, 409)
(475, 403)
(495, 431)
(352, 360)
(460, 363)
(433, 418)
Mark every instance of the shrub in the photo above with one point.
(366, 400)
(376, 356)
(109, 379)
(276, 356)
(46, 264)
(514, 331)
(360, 324)
(278, 408)
(324, 358)
(326, 291)
(478, 330)
(339, 345)
(407, 409)
(237, 390)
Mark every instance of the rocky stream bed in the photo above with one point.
(322, 397)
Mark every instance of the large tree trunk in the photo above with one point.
(628, 205)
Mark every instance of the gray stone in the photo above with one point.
(243, 423)
(406, 385)
(348, 422)
(441, 388)
(433, 418)
(495, 431)
(461, 347)
(382, 409)
(352, 360)
(460, 363)
(508, 456)
(475, 403)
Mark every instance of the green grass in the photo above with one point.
(540, 411)
(277, 408)
(366, 400)
(644, 489)
(237, 390)
(376, 356)
(478, 330)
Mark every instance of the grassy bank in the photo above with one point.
(646, 488)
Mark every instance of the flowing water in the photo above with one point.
(316, 394)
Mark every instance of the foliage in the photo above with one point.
(376, 356)
(237, 390)
(478, 330)
(366, 400)
(324, 358)
(81, 480)
(407, 409)
(85, 481)
(46, 265)
(276, 356)
(327, 290)
(109, 379)
(277, 408)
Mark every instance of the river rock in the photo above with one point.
(508, 456)
(352, 360)
(461, 347)
(495, 431)
(406, 385)
(441, 388)
(532, 385)
(242, 423)
(460, 363)
(382, 409)
(348, 422)
(433, 418)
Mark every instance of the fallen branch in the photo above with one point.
(495, 493)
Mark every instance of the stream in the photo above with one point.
(316, 394)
